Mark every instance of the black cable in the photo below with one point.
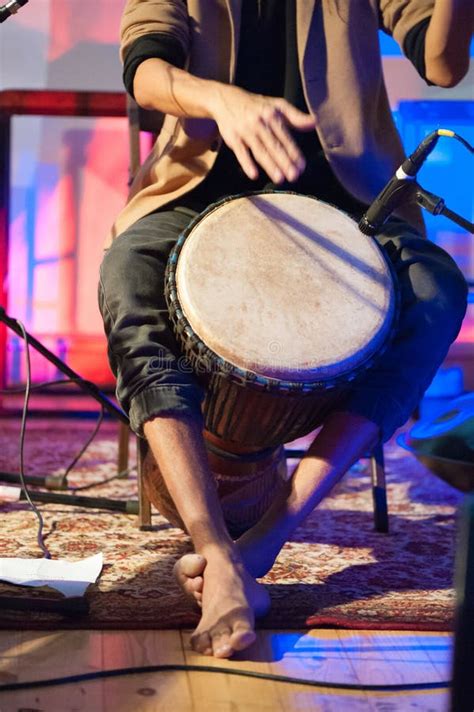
(100, 674)
(84, 447)
(75, 381)
(37, 386)
(27, 390)
(465, 143)
(24, 414)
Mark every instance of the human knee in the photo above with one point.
(454, 290)
(438, 281)
(427, 276)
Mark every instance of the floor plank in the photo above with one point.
(364, 657)
(394, 658)
(42, 655)
(227, 693)
(145, 692)
(439, 648)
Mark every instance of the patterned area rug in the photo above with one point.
(335, 571)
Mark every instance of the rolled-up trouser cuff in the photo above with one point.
(164, 400)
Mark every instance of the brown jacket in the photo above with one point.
(342, 79)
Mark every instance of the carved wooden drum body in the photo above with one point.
(279, 303)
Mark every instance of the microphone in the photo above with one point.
(10, 8)
(402, 183)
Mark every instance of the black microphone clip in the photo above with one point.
(398, 188)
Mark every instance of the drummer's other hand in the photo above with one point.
(256, 128)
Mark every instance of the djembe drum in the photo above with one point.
(279, 303)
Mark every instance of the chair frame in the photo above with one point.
(377, 470)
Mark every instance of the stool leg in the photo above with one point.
(123, 441)
(379, 492)
(144, 504)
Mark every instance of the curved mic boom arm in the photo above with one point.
(10, 8)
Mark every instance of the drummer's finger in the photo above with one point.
(294, 117)
(282, 149)
(285, 138)
(266, 156)
(243, 156)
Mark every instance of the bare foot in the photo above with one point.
(257, 557)
(231, 600)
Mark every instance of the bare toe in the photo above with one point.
(190, 565)
(242, 636)
(201, 643)
(221, 647)
(197, 584)
(188, 571)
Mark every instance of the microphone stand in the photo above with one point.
(88, 387)
(50, 481)
(129, 506)
(436, 206)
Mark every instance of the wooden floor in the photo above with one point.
(324, 655)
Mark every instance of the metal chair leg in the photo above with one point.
(144, 504)
(379, 492)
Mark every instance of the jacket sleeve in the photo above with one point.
(144, 17)
(398, 17)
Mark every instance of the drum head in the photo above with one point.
(285, 286)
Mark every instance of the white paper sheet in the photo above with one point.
(71, 578)
(9, 494)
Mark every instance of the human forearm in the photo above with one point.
(447, 41)
(160, 86)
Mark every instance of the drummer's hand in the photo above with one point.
(256, 127)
